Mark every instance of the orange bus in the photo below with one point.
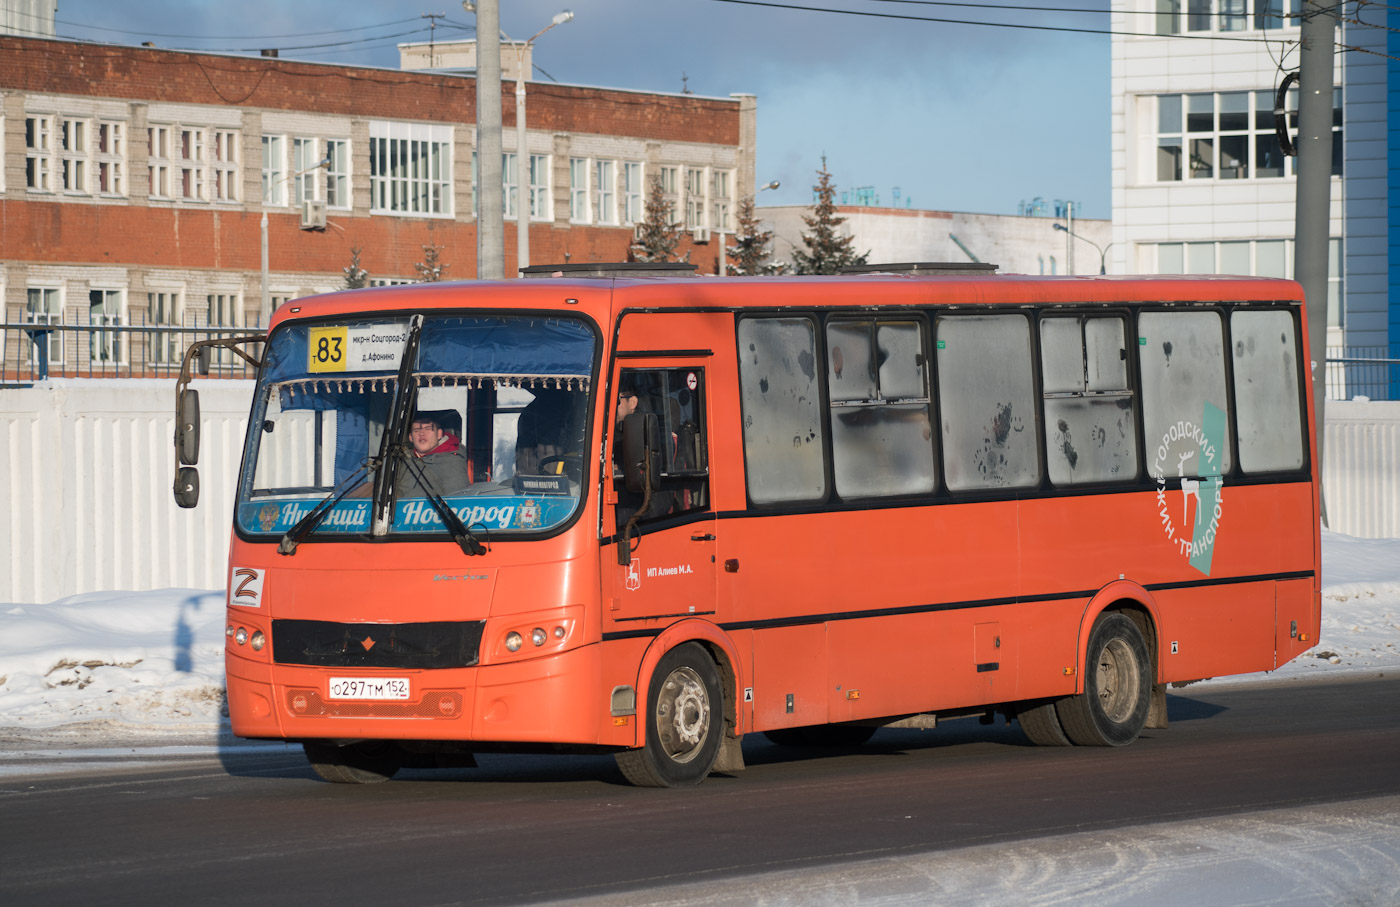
(649, 514)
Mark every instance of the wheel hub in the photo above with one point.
(682, 714)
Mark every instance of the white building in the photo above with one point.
(1200, 184)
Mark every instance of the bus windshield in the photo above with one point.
(493, 425)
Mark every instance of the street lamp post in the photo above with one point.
(522, 152)
(266, 307)
(1103, 252)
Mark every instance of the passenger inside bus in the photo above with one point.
(438, 454)
(549, 434)
(662, 502)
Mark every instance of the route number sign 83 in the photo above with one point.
(326, 349)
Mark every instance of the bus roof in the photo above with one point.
(597, 295)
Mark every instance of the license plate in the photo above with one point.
(369, 688)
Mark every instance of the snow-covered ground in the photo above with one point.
(112, 667)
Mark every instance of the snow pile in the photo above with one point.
(117, 662)
(120, 664)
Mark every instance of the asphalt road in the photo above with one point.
(256, 826)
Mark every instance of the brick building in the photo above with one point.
(135, 179)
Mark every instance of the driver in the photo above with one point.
(438, 453)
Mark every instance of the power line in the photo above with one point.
(152, 34)
(1055, 28)
(340, 44)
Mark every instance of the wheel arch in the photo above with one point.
(720, 648)
(1138, 605)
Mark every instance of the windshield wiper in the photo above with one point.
(396, 429)
(469, 543)
(307, 524)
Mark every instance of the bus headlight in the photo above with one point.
(258, 640)
(514, 641)
(241, 636)
(537, 636)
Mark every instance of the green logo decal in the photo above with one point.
(1202, 446)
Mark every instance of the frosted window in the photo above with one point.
(781, 398)
(1090, 434)
(881, 435)
(986, 398)
(1182, 358)
(1266, 390)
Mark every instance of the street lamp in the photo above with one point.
(1102, 252)
(522, 152)
(266, 313)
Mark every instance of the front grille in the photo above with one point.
(304, 702)
(435, 644)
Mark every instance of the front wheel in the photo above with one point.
(1112, 710)
(684, 722)
(358, 763)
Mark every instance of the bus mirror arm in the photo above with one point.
(640, 472)
(186, 486)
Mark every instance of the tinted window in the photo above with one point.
(781, 397)
(1184, 408)
(1266, 390)
(1090, 435)
(986, 401)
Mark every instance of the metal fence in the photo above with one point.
(107, 347)
(1369, 372)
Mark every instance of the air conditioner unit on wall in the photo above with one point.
(313, 214)
(700, 234)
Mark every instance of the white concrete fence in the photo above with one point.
(86, 468)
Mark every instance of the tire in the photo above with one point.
(684, 722)
(1041, 725)
(358, 763)
(1112, 710)
(833, 736)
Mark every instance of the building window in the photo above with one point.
(73, 154)
(111, 158)
(670, 190)
(694, 198)
(578, 190)
(192, 164)
(304, 176)
(720, 200)
(540, 208)
(225, 313)
(1228, 135)
(338, 173)
(1249, 258)
(165, 311)
(1226, 15)
(44, 305)
(158, 160)
(606, 191)
(274, 170)
(38, 153)
(632, 204)
(224, 166)
(410, 168)
(106, 309)
(510, 184)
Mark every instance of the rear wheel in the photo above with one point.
(1112, 710)
(1041, 725)
(357, 763)
(821, 735)
(684, 722)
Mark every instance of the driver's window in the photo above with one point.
(677, 397)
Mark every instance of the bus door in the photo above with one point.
(670, 568)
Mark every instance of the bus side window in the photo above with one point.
(1266, 390)
(1090, 428)
(881, 437)
(986, 402)
(677, 397)
(784, 440)
(1185, 412)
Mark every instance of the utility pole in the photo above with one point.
(1069, 238)
(1313, 212)
(490, 222)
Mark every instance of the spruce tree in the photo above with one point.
(431, 268)
(356, 277)
(827, 251)
(658, 236)
(751, 250)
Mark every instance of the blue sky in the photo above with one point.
(959, 117)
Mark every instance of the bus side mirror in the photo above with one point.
(187, 427)
(204, 357)
(639, 447)
(187, 486)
